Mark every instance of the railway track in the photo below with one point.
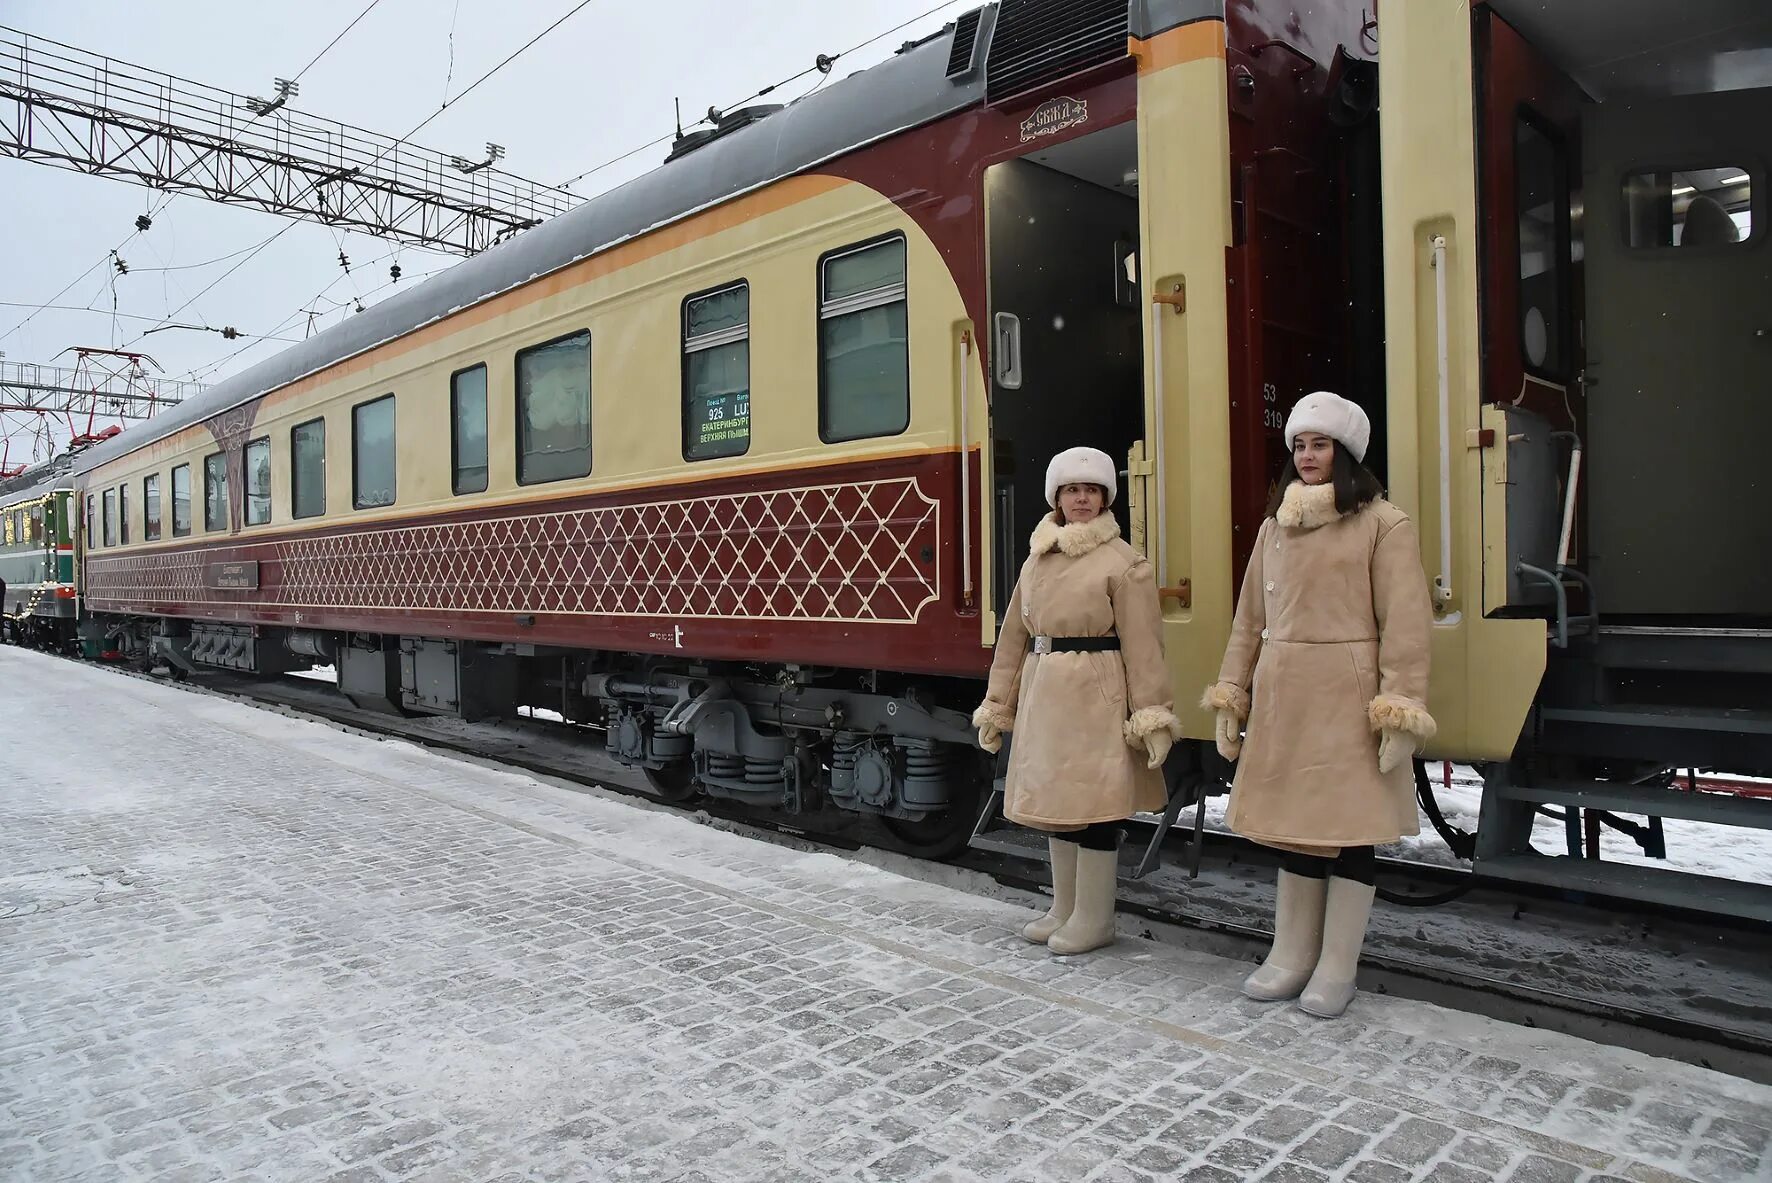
(1680, 987)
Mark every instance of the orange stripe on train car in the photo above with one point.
(1189, 43)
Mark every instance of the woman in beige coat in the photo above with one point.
(1079, 676)
(1327, 670)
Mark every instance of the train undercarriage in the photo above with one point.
(782, 738)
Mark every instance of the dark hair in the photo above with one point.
(1354, 483)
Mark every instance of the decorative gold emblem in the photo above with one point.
(1054, 116)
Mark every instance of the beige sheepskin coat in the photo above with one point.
(1329, 647)
(1080, 719)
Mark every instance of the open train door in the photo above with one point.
(1680, 356)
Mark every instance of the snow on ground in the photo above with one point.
(1728, 852)
(320, 673)
(246, 946)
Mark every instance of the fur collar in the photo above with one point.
(1307, 506)
(1073, 540)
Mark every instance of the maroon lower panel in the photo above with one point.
(854, 565)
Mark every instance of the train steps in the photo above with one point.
(1628, 881)
(1647, 801)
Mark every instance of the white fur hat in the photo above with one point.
(1333, 416)
(1080, 466)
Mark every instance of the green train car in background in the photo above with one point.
(37, 557)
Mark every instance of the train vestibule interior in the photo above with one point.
(1627, 275)
(1065, 342)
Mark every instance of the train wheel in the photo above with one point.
(938, 836)
(673, 782)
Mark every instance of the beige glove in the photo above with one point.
(1157, 744)
(1395, 748)
(990, 738)
(1230, 735)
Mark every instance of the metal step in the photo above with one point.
(1700, 650)
(1704, 737)
(1673, 717)
(1626, 881)
(1647, 801)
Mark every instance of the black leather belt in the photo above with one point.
(1072, 644)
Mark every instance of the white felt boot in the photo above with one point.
(1298, 936)
(1064, 892)
(1331, 987)
(1091, 924)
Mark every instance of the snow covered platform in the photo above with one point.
(239, 945)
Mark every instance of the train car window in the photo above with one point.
(181, 501)
(36, 526)
(9, 528)
(258, 481)
(717, 373)
(151, 508)
(215, 491)
(467, 411)
(1541, 179)
(110, 518)
(554, 410)
(123, 514)
(91, 520)
(307, 469)
(864, 386)
(372, 453)
(1693, 207)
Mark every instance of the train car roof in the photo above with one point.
(38, 480)
(905, 91)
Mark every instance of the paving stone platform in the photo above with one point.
(236, 945)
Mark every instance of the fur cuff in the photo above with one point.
(1393, 712)
(1147, 721)
(1222, 696)
(996, 716)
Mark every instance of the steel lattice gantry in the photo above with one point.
(102, 382)
(66, 107)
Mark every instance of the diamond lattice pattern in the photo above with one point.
(863, 551)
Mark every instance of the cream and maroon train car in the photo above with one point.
(1578, 291)
(739, 460)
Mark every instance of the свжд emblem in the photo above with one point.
(1053, 116)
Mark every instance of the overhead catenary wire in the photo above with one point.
(416, 128)
(341, 36)
(305, 309)
(823, 64)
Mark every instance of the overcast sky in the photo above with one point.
(600, 84)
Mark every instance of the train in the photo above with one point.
(38, 606)
(735, 463)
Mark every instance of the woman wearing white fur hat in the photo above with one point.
(1331, 632)
(1079, 676)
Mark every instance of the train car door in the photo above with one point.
(1680, 331)
(1066, 343)
(1529, 147)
